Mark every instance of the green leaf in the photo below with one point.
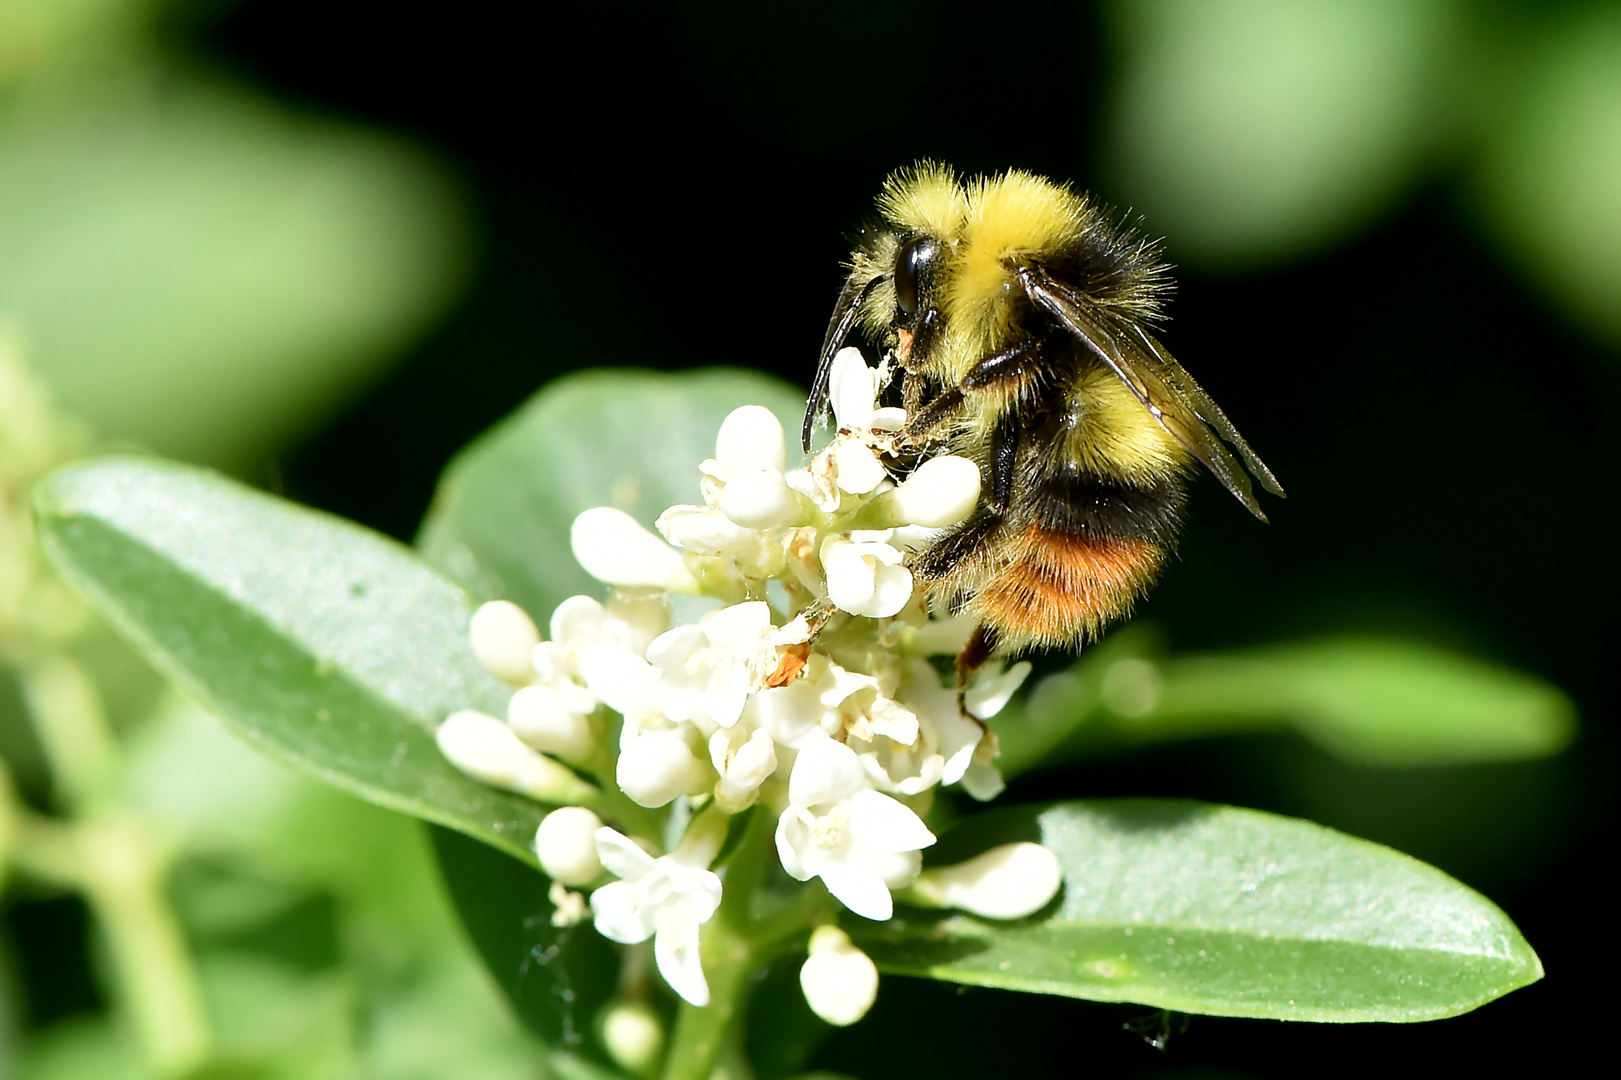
(1374, 702)
(631, 439)
(321, 643)
(1213, 909)
(1377, 702)
(556, 978)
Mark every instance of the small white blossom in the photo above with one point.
(503, 638)
(866, 579)
(484, 747)
(859, 842)
(566, 844)
(708, 671)
(593, 643)
(744, 760)
(656, 766)
(666, 899)
(839, 980)
(1006, 882)
(613, 547)
(750, 458)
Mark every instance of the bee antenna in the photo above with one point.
(838, 328)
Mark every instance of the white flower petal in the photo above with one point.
(624, 682)
(740, 629)
(859, 470)
(852, 388)
(881, 823)
(859, 889)
(622, 856)
(982, 781)
(893, 721)
(578, 621)
(825, 772)
(504, 638)
(703, 530)
(850, 578)
(612, 546)
(891, 591)
(760, 500)
(751, 438)
(897, 869)
(676, 951)
(793, 836)
(743, 767)
(789, 713)
(620, 913)
(989, 693)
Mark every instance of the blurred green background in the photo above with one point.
(322, 245)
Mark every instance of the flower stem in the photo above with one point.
(733, 947)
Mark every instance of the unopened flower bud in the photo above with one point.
(852, 387)
(633, 1035)
(751, 438)
(612, 546)
(540, 719)
(1007, 882)
(839, 980)
(656, 767)
(504, 637)
(941, 492)
(566, 844)
(484, 747)
(760, 499)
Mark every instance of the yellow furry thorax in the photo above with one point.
(985, 223)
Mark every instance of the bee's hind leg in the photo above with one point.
(981, 645)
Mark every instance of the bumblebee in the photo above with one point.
(1018, 316)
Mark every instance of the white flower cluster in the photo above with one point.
(805, 686)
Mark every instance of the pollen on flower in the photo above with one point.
(806, 688)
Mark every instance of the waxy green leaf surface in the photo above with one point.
(629, 439)
(1212, 909)
(320, 642)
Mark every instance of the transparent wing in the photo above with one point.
(1168, 392)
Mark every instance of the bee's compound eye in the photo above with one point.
(910, 263)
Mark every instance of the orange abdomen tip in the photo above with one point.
(1060, 588)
